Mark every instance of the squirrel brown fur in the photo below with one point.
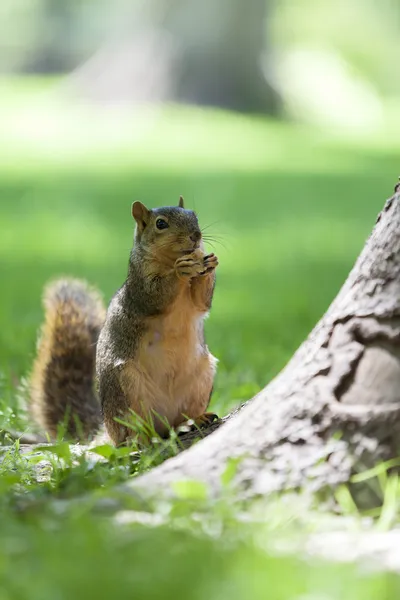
(152, 360)
(62, 385)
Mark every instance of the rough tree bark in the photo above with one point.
(334, 409)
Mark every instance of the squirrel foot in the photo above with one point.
(206, 419)
(200, 422)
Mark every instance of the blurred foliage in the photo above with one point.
(365, 33)
(64, 556)
(50, 35)
(57, 36)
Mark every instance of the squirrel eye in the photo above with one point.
(161, 224)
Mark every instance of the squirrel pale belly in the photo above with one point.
(151, 357)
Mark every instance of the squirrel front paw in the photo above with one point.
(192, 265)
(189, 266)
(210, 262)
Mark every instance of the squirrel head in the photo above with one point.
(167, 231)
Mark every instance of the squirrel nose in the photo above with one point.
(195, 236)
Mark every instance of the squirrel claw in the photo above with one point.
(210, 262)
(200, 422)
(187, 266)
(191, 265)
(206, 419)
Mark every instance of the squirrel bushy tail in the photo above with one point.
(62, 383)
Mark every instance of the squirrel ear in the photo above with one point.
(181, 203)
(141, 214)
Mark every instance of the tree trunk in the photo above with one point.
(206, 53)
(334, 409)
(222, 48)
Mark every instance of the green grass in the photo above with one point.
(293, 208)
(89, 556)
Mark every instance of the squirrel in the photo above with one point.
(147, 353)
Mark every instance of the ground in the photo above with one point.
(289, 209)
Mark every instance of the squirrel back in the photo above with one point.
(62, 382)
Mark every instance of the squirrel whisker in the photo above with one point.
(211, 240)
(210, 225)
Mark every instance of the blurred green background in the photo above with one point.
(277, 121)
